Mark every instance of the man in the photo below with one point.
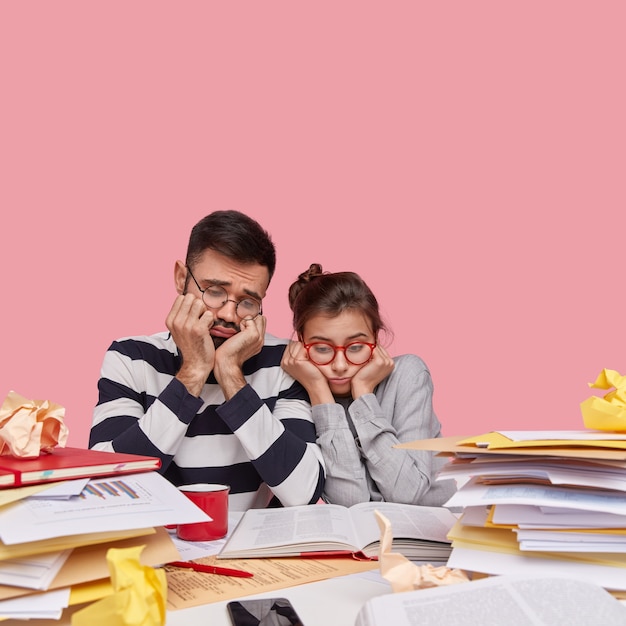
(209, 397)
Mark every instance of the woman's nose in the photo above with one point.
(339, 363)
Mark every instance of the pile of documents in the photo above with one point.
(538, 503)
(54, 538)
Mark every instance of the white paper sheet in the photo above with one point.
(475, 494)
(62, 490)
(528, 516)
(33, 572)
(48, 605)
(496, 563)
(562, 435)
(190, 550)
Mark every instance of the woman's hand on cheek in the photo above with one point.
(372, 373)
(296, 363)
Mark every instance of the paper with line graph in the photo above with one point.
(127, 502)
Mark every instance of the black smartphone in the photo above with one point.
(262, 612)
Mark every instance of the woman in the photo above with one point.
(364, 402)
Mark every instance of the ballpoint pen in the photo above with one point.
(212, 569)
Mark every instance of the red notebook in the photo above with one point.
(66, 463)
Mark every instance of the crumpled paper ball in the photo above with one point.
(402, 574)
(30, 427)
(609, 412)
(139, 596)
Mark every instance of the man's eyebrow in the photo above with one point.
(253, 294)
(225, 283)
(215, 282)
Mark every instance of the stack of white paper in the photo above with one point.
(540, 502)
(47, 543)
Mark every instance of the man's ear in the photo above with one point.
(180, 276)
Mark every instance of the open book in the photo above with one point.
(496, 601)
(312, 530)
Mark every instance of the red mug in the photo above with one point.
(213, 500)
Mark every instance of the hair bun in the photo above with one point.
(315, 271)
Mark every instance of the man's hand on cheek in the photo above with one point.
(189, 323)
(231, 355)
(244, 344)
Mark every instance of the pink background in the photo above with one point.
(467, 158)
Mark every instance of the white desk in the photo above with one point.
(331, 602)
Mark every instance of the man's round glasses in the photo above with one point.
(215, 297)
(322, 353)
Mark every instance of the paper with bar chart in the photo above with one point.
(116, 503)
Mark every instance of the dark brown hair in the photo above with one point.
(324, 293)
(236, 236)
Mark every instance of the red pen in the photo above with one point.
(212, 569)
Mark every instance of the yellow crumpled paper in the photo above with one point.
(607, 413)
(406, 576)
(139, 597)
(29, 427)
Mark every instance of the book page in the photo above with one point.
(495, 601)
(309, 527)
(408, 521)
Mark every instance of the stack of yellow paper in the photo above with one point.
(538, 502)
